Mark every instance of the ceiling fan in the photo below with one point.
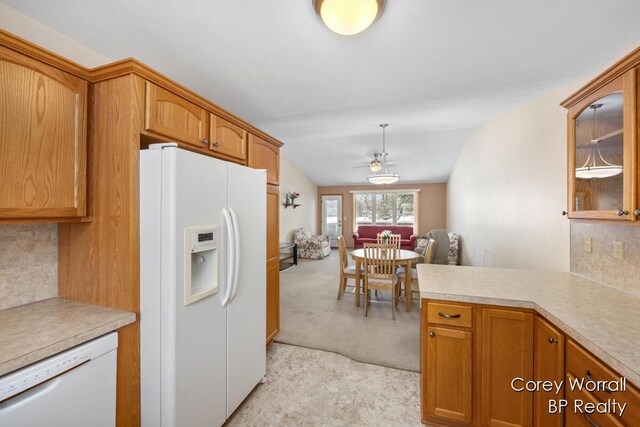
(379, 159)
(379, 166)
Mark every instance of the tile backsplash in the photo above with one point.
(600, 264)
(28, 263)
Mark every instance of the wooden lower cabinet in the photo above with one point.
(580, 364)
(507, 353)
(466, 372)
(548, 365)
(449, 373)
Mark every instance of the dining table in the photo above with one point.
(404, 257)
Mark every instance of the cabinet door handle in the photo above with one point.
(622, 213)
(448, 316)
(637, 212)
(205, 141)
(564, 213)
(590, 378)
(432, 334)
(553, 340)
(214, 144)
(590, 421)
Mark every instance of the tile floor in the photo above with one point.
(317, 388)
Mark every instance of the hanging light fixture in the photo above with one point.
(383, 176)
(375, 165)
(596, 166)
(348, 17)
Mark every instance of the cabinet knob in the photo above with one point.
(553, 340)
(432, 334)
(564, 213)
(637, 212)
(622, 213)
(214, 143)
(205, 141)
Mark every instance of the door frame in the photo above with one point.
(333, 243)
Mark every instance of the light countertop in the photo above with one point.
(604, 320)
(32, 332)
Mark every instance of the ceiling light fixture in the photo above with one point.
(348, 17)
(596, 166)
(375, 165)
(383, 176)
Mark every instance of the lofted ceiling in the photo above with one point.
(430, 68)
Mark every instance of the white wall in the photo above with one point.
(36, 32)
(294, 180)
(508, 188)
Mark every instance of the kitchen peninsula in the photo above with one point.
(483, 327)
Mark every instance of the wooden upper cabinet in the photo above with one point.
(548, 365)
(603, 156)
(43, 140)
(601, 152)
(227, 138)
(174, 117)
(507, 353)
(264, 155)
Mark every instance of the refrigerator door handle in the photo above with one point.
(231, 254)
(236, 236)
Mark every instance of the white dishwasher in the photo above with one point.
(74, 388)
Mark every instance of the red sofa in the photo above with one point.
(369, 234)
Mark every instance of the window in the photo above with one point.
(385, 208)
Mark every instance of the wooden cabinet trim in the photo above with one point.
(630, 61)
(45, 56)
(133, 66)
(122, 68)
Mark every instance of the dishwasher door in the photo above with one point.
(73, 388)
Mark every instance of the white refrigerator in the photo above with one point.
(202, 286)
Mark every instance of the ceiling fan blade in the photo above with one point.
(361, 166)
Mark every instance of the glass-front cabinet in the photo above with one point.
(602, 164)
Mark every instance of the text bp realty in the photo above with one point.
(611, 406)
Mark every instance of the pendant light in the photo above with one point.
(375, 165)
(348, 17)
(596, 167)
(384, 176)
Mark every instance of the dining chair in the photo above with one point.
(346, 271)
(427, 259)
(380, 273)
(394, 239)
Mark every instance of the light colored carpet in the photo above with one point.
(311, 316)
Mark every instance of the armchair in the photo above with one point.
(311, 246)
